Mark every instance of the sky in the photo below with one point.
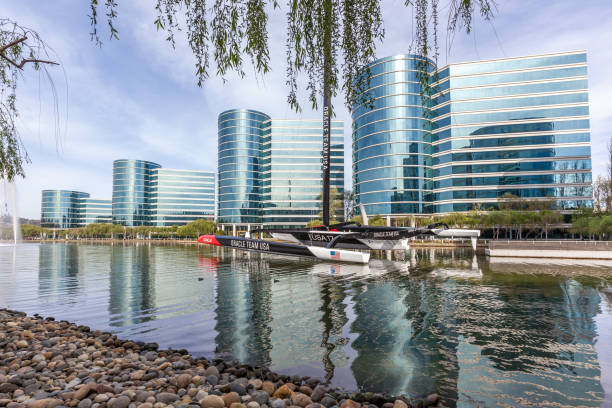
(137, 98)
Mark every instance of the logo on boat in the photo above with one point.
(255, 245)
(386, 234)
(320, 237)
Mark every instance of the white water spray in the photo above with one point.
(10, 206)
(16, 226)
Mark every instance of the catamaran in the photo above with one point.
(337, 242)
(334, 242)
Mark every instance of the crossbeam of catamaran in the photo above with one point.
(337, 242)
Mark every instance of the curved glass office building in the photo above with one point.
(505, 129)
(391, 147)
(132, 191)
(512, 127)
(62, 208)
(239, 155)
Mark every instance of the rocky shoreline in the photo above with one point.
(53, 364)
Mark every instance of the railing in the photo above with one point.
(552, 244)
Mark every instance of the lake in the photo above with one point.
(480, 332)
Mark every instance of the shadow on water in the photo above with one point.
(480, 332)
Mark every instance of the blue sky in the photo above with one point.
(137, 97)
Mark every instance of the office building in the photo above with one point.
(132, 192)
(96, 211)
(290, 171)
(179, 197)
(492, 130)
(145, 194)
(239, 194)
(72, 209)
(270, 169)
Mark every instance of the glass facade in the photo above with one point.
(97, 211)
(391, 147)
(145, 194)
(291, 174)
(239, 155)
(270, 169)
(62, 208)
(181, 196)
(72, 209)
(132, 192)
(516, 126)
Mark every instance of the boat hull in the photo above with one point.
(260, 245)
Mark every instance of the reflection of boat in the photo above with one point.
(330, 242)
(332, 269)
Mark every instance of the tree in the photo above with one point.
(349, 204)
(19, 47)
(333, 38)
(335, 208)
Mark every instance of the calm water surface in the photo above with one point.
(480, 332)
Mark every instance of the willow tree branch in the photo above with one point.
(24, 61)
(9, 45)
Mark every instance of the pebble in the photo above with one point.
(318, 393)
(328, 402)
(212, 401)
(237, 388)
(50, 364)
(230, 398)
(212, 370)
(283, 392)
(261, 397)
(183, 380)
(86, 403)
(268, 387)
(301, 400)
(166, 397)
(120, 402)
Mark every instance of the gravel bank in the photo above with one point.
(49, 364)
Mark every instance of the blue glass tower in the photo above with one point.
(512, 127)
(391, 148)
(239, 195)
(132, 192)
(62, 209)
(495, 130)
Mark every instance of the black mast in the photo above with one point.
(327, 107)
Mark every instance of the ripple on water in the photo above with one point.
(481, 333)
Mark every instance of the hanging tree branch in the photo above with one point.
(23, 61)
(19, 46)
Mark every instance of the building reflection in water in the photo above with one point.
(132, 285)
(452, 325)
(58, 271)
(478, 333)
(243, 309)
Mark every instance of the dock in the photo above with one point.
(564, 249)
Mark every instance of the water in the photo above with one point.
(481, 333)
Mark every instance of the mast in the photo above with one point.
(327, 106)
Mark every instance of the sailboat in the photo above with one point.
(343, 242)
